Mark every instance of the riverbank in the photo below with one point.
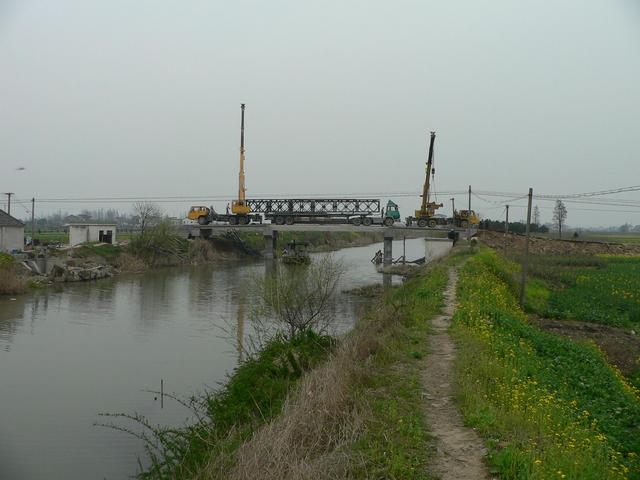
(367, 410)
(359, 413)
(157, 250)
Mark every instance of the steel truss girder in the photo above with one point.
(315, 206)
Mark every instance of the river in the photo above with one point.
(68, 355)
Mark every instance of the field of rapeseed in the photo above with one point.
(602, 289)
(608, 294)
(548, 407)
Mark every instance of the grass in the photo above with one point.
(109, 252)
(395, 443)
(360, 414)
(548, 407)
(615, 237)
(603, 289)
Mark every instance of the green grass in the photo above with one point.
(547, 406)
(106, 251)
(603, 289)
(614, 237)
(53, 236)
(396, 443)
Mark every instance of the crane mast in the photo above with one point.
(427, 208)
(425, 190)
(239, 206)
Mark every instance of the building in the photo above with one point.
(11, 233)
(91, 232)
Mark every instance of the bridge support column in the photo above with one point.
(388, 248)
(270, 244)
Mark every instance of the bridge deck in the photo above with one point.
(267, 228)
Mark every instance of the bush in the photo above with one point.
(160, 245)
(11, 283)
(298, 298)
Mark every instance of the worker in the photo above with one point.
(453, 235)
(227, 209)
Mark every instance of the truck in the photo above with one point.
(243, 211)
(462, 218)
(205, 215)
(426, 215)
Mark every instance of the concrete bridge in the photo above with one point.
(271, 232)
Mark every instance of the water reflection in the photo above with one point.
(240, 331)
(11, 321)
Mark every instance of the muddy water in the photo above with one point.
(67, 356)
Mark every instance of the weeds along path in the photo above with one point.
(460, 450)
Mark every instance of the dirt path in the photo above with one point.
(460, 449)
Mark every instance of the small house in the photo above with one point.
(91, 232)
(11, 233)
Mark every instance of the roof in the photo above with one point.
(88, 224)
(7, 220)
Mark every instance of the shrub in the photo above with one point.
(11, 283)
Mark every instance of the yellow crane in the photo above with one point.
(239, 206)
(425, 216)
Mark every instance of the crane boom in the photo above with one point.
(241, 187)
(425, 190)
(239, 206)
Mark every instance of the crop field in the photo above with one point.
(548, 407)
(604, 289)
(616, 237)
(587, 236)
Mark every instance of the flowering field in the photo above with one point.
(603, 289)
(548, 407)
(610, 295)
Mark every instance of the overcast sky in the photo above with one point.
(141, 98)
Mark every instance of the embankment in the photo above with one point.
(158, 248)
(358, 414)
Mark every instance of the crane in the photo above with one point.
(239, 206)
(425, 216)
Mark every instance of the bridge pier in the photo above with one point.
(387, 258)
(270, 244)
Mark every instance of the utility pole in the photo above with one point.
(506, 230)
(525, 258)
(453, 209)
(469, 219)
(8, 202)
(33, 222)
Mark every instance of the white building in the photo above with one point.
(91, 232)
(11, 233)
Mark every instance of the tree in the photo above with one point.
(147, 213)
(536, 215)
(292, 300)
(559, 216)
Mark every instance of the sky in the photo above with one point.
(141, 98)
